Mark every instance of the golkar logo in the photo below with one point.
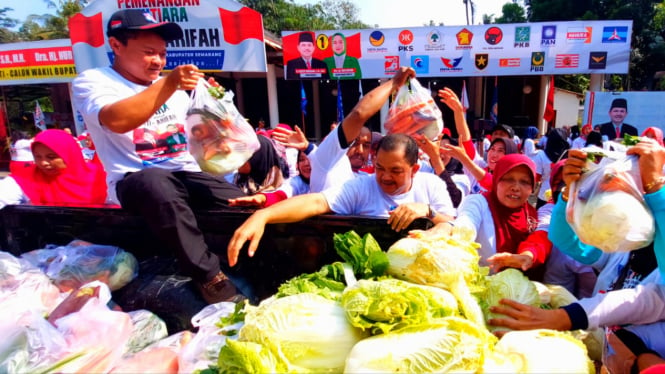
(548, 36)
(464, 38)
(597, 60)
(451, 64)
(481, 61)
(537, 61)
(579, 34)
(405, 38)
(615, 34)
(522, 37)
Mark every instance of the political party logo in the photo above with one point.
(420, 64)
(376, 38)
(579, 34)
(464, 38)
(509, 62)
(615, 34)
(597, 60)
(493, 35)
(434, 41)
(567, 61)
(548, 36)
(537, 61)
(405, 38)
(522, 37)
(481, 60)
(391, 64)
(451, 64)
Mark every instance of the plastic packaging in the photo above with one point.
(414, 111)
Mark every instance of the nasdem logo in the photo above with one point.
(376, 38)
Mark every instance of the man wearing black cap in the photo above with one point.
(129, 98)
(306, 66)
(616, 128)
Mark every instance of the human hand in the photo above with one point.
(184, 77)
(449, 98)
(402, 75)
(402, 216)
(574, 166)
(251, 230)
(651, 160)
(291, 138)
(256, 200)
(526, 317)
(453, 151)
(503, 260)
(428, 146)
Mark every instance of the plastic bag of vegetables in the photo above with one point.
(606, 208)
(414, 111)
(219, 137)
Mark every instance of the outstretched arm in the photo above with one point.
(449, 98)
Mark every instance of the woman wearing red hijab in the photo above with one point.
(654, 133)
(60, 176)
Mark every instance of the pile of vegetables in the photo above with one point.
(419, 307)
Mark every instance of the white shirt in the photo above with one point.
(330, 166)
(95, 88)
(544, 168)
(362, 196)
(11, 193)
(21, 150)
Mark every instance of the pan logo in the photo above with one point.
(548, 36)
(420, 64)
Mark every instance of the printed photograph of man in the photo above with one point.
(306, 66)
(616, 128)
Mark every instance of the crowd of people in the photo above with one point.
(508, 195)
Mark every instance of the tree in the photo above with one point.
(512, 13)
(49, 26)
(6, 23)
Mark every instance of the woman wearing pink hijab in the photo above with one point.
(654, 133)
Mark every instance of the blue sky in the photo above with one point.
(385, 13)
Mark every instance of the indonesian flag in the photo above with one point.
(548, 116)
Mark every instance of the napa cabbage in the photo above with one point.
(509, 284)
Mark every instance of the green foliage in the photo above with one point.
(512, 13)
(49, 26)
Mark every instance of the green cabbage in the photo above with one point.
(509, 284)
(363, 254)
(544, 351)
(304, 332)
(390, 304)
(452, 344)
(247, 357)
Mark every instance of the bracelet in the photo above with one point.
(310, 148)
(564, 194)
(649, 187)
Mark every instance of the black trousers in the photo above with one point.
(166, 199)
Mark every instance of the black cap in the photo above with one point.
(619, 103)
(305, 36)
(509, 130)
(139, 19)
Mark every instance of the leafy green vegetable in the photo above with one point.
(216, 91)
(247, 357)
(364, 254)
(390, 304)
(238, 315)
(509, 284)
(450, 345)
(593, 156)
(327, 282)
(629, 140)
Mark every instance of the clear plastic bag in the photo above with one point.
(606, 208)
(80, 262)
(219, 137)
(414, 111)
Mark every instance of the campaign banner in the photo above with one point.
(219, 35)
(539, 48)
(47, 61)
(643, 108)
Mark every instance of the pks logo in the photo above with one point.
(522, 36)
(481, 61)
(597, 60)
(548, 36)
(493, 35)
(376, 38)
(420, 64)
(464, 38)
(391, 64)
(405, 38)
(615, 34)
(537, 61)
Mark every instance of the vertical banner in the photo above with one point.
(494, 110)
(40, 120)
(340, 104)
(465, 97)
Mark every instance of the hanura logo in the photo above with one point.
(376, 38)
(509, 62)
(597, 60)
(464, 38)
(391, 64)
(493, 35)
(405, 38)
(615, 34)
(434, 41)
(481, 61)
(420, 64)
(522, 37)
(548, 36)
(451, 64)
(537, 61)
(579, 34)
(567, 61)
